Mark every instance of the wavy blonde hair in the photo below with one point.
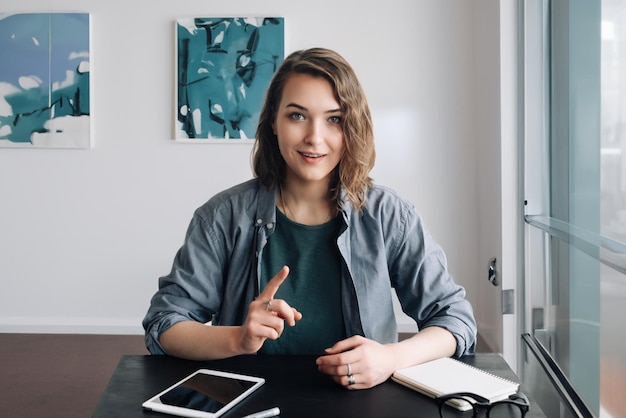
(352, 172)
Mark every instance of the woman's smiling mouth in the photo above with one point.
(310, 155)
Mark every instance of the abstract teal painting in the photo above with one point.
(224, 65)
(45, 80)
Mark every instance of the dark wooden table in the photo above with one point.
(58, 375)
(292, 383)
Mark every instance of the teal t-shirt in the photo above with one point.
(313, 286)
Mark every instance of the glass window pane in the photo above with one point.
(613, 206)
(612, 343)
(574, 304)
(613, 119)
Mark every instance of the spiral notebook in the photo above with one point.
(447, 375)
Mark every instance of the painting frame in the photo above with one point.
(223, 66)
(45, 81)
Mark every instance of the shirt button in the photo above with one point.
(270, 225)
(259, 221)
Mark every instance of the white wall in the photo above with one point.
(84, 234)
(489, 147)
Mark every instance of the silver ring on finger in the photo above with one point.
(351, 380)
(349, 370)
(268, 304)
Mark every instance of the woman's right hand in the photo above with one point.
(267, 316)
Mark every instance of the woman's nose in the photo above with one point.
(315, 133)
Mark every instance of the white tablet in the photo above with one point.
(204, 394)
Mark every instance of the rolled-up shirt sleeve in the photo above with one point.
(190, 292)
(425, 288)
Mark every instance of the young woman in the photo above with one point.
(302, 259)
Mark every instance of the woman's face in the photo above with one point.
(308, 126)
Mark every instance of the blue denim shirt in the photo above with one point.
(216, 273)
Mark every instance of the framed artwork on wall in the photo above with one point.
(223, 68)
(45, 83)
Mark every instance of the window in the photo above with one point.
(575, 187)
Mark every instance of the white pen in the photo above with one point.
(265, 414)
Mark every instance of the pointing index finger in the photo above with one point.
(272, 286)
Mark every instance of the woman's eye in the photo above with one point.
(335, 119)
(297, 116)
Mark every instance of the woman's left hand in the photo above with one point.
(369, 363)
